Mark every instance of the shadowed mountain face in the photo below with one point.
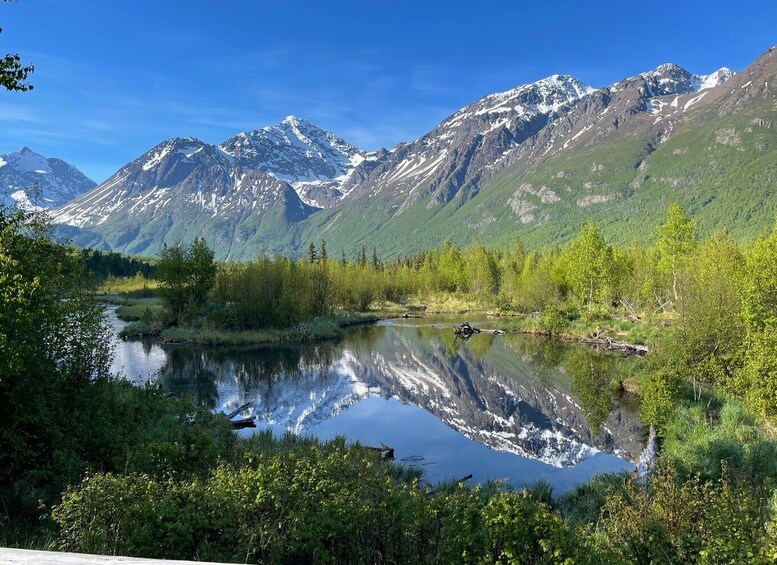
(524, 396)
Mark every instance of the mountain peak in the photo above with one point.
(667, 68)
(296, 151)
(293, 120)
(714, 79)
(672, 79)
(540, 97)
(185, 146)
(567, 84)
(23, 169)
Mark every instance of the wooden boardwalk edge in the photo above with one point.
(33, 557)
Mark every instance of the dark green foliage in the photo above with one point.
(582, 505)
(326, 503)
(691, 521)
(106, 264)
(13, 73)
(312, 255)
(53, 344)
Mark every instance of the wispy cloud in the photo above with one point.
(18, 114)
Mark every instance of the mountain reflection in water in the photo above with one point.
(535, 398)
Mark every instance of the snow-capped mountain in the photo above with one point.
(181, 189)
(453, 157)
(470, 147)
(315, 162)
(23, 170)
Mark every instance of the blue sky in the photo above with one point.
(114, 78)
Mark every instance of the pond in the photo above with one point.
(508, 407)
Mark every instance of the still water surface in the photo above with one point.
(500, 407)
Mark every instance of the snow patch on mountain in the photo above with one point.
(714, 79)
(542, 97)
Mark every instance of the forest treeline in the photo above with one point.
(105, 264)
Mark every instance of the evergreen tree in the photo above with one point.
(312, 256)
(323, 251)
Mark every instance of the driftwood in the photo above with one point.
(247, 422)
(453, 484)
(463, 479)
(607, 343)
(633, 314)
(244, 423)
(598, 340)
(385, 451)
(466, 330)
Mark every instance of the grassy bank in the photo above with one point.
(133, 306)
(322, 328)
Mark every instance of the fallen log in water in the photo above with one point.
(451, 485)
(244, 423)
(466, 330)
(238, 410)
(596, 340)
(610, 344)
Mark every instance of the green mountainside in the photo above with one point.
(718, 159)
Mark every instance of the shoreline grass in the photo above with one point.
(323, 328)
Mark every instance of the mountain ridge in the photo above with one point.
(477, 174)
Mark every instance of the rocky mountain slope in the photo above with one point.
(497, 202)
(25, 169)
(181, 189)
(535, 162)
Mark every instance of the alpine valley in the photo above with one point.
(535, 162)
